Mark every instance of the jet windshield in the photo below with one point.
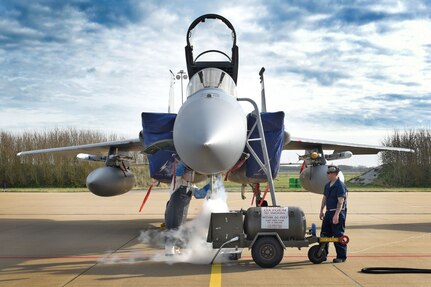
(211, 78)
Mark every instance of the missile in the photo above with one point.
(313, 155)
(210, 130)
(90, 157)
(339, 155)
(112, 157)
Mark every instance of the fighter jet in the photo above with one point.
(212, 135)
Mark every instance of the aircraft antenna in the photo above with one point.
(262, 91)
(171, 105)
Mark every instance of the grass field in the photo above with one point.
(281, 185)
(46, 189)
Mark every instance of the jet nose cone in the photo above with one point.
(210, 133)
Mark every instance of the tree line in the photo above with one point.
(59, 170)
(407, 169)
(54, 169)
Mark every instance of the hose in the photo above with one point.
(236, 238)
(393, 270)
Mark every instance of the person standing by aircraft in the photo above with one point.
(334, 219)
(178, 204)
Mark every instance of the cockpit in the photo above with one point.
(219, 73)
(211, 78)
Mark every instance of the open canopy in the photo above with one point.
(195, 63)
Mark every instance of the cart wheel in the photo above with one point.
(314, 256)
(267, 252)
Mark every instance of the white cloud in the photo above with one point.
(63, 68)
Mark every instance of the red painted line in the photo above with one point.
(362, 256)
(50, 257)
(245, 257)
(108, 257)
(390, 256)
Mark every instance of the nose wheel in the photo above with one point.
(317, 253)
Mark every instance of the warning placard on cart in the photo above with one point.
(275, 218)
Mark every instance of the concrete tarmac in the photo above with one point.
(79, 239)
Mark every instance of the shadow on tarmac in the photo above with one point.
(73, 247)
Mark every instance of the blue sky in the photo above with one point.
(341, 70)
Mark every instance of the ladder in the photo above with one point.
(264, 164)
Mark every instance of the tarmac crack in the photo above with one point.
(94, 265)
(345, 274)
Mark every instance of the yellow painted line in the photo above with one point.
(215, 279)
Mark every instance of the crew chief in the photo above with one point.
(334, 219)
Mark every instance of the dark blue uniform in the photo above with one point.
(338, 189)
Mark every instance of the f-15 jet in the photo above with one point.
(212, 135)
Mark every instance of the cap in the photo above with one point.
(333, 169)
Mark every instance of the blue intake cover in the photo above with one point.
(273, 126)
(156, 127)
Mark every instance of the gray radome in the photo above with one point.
(210, 131)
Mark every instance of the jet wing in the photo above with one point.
(160, 145)
(96, 148)
(307, 144)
